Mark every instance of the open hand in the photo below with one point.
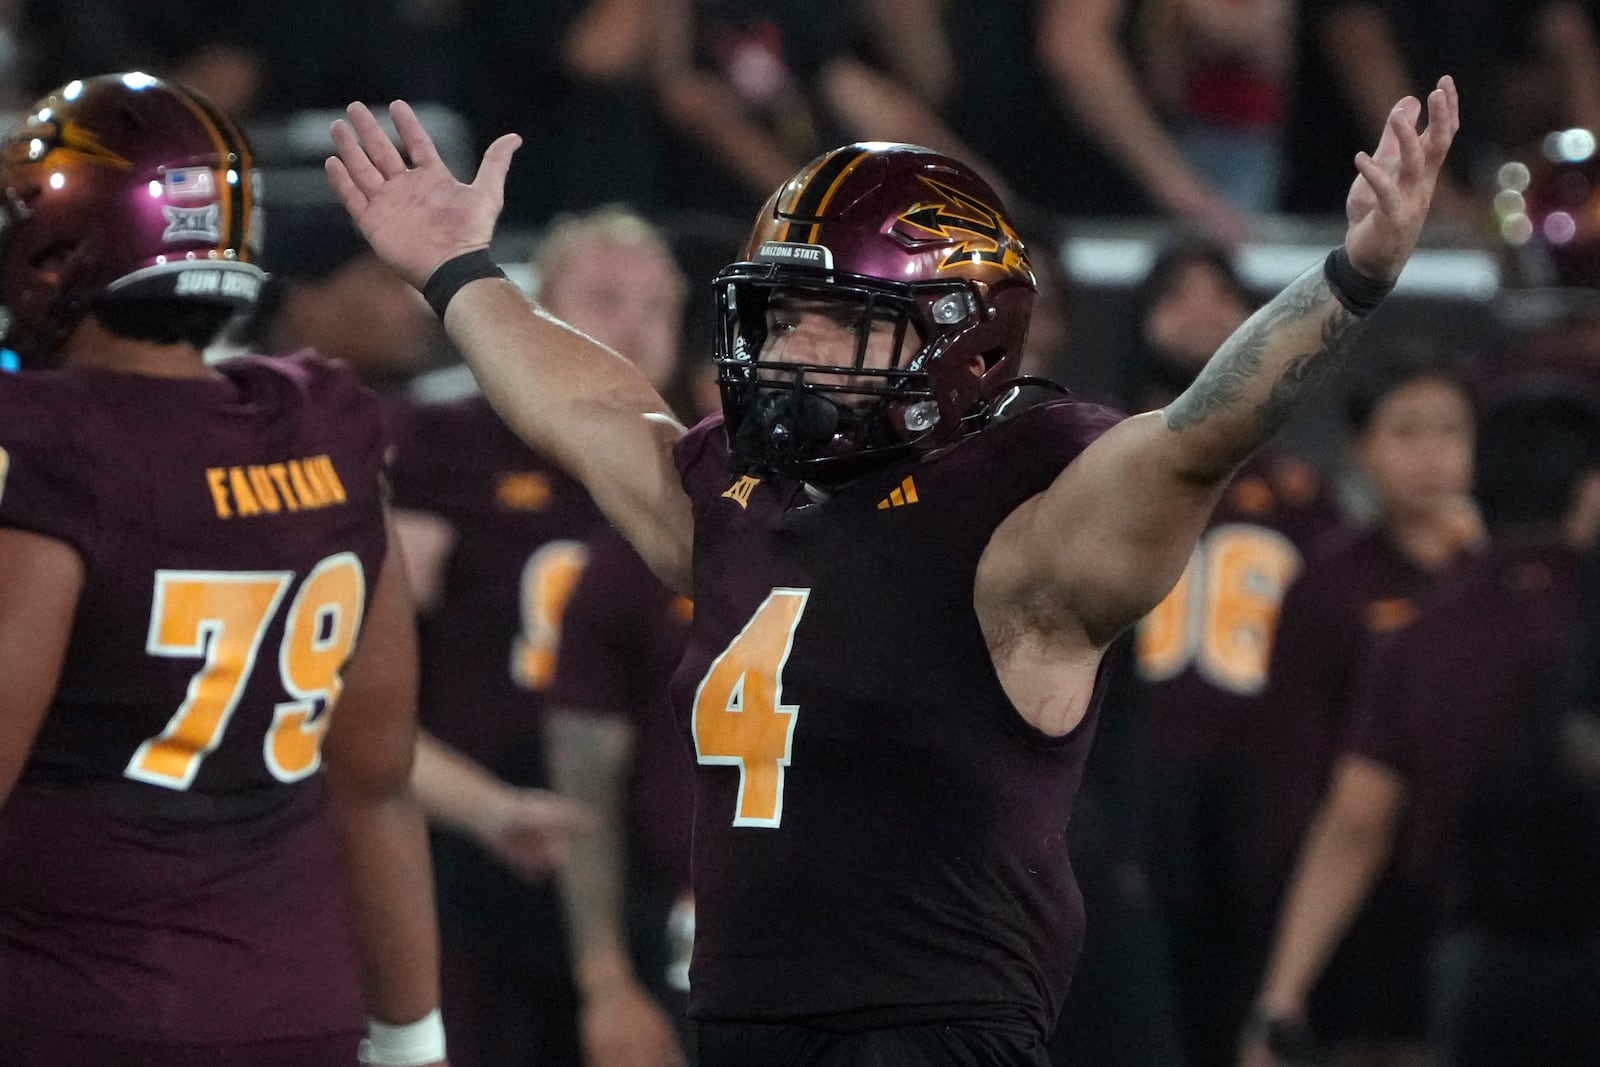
(1389, 199)
(531, 830)
(414, 217)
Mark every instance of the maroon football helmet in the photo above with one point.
(121, 187)
(899, 231)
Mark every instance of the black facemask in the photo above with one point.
(805, 434)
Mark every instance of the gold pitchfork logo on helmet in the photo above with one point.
(979, 233)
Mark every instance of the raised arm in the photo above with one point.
(1111, 535)
(567, 396)
(706, 110)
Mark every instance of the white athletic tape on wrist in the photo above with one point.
(410, 1045)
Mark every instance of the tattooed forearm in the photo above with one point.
(1233, 374)
(1257, 378)
(1305, 373)
(1225, 379)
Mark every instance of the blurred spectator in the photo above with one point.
(908, 41)
(1201, 655)
(1349, 55)
(14, 76)
(1188, 303)
(1551, 78)
(615, 745)
(1218, 67)
(1044, 353)
(758, 87)
(1537, 61)
(1452, 770)
(227, 72)
(261, 57)
(496, 540)
(569, 76)
(327, 291)
(998, 104)
(1410, 425)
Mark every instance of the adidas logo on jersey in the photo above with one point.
(903, 494)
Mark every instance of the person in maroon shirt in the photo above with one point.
(614, 745)
(1200, 657)
(1410, 426)
(906, 566)
(1447, 764)
(497, 538)
(208, 713)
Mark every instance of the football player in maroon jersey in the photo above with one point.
(1200, 657)
(612, 743)
(202, 858)
(905, 566)
(1411, 425)
(496, 539)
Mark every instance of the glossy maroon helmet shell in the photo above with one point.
(903, 214)
(121, 186)
(900, 232)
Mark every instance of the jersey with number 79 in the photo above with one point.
(879, 835)
(165, 872)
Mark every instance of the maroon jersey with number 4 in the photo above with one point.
(166, 874)
(879, 835)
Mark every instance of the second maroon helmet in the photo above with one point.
(901, 231)
(120, 186)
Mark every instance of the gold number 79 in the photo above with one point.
(223, 616)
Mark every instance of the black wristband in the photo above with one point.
(448, 277)
(1357, 292)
